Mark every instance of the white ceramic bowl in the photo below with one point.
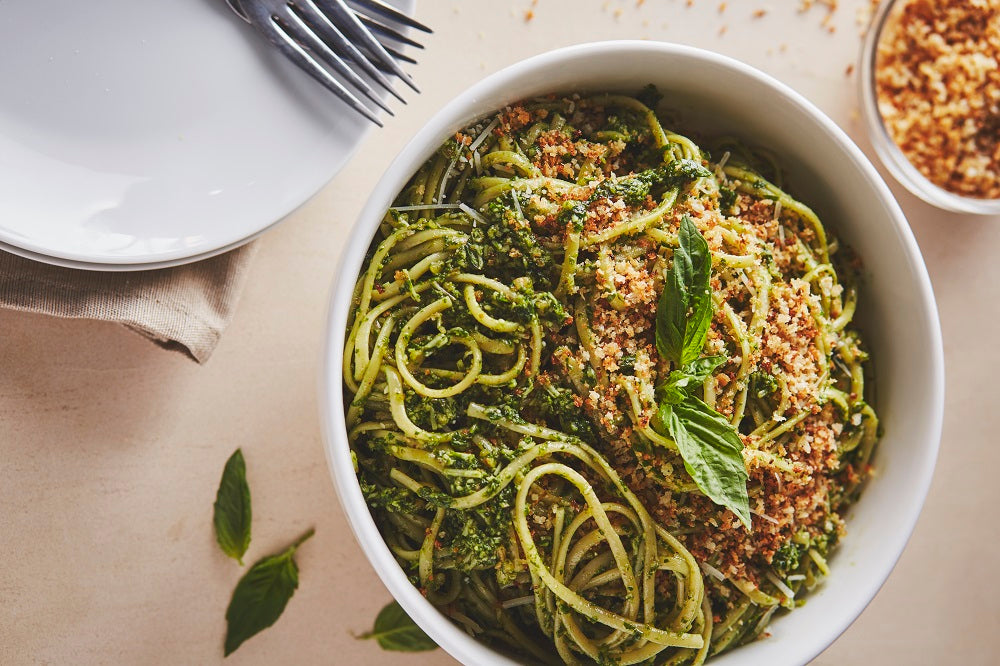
(886, 148)
(897, 311)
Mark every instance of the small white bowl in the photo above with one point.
(897, 311)
(887, 149)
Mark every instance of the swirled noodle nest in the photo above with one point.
(503, 377)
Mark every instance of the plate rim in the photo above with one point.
(340, 159)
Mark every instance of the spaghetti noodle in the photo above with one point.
(503, 380)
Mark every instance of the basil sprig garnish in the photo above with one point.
(232, 511)
(394, 630)
(261, 595)
(684, 312)
(709, 445)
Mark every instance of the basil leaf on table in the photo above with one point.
(394, 630)
(261, 595)
(232, 509)
(712, 451)
(684, 312)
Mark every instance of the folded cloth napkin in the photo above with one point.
(185, 308)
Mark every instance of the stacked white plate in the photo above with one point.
(138, 134)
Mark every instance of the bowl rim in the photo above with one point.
(453, 640)
(888, 151)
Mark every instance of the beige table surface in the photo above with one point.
(111, 449)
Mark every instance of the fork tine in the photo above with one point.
(390, 13)
(306, 35)
(238, 9)
(304, 60)
(400, 56)
(383, 68)
(342, 15)
(397, 55)
(317, 41)
(336, 40)
(380, 28)
(277, 35)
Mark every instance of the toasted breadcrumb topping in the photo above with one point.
(938, 87)
(788, 499)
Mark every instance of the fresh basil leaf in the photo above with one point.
(710, 447)
(232, 509)
(394, 630)
(680, 382)
(261, 595)
(712, 451)
(665, 412)
(699, 369)
(684, 311)
(672, 391)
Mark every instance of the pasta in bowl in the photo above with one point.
(603, 393)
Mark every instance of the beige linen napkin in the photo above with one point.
(185, 308)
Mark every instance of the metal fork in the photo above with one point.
(327, 37)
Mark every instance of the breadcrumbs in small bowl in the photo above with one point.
(930, 89)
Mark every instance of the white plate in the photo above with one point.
(139, 134)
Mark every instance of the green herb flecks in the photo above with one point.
(394, 630)
(634, 189)
(261, 595)
(232, 509)
(649, 96)
(762, 384)
(787, 557)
